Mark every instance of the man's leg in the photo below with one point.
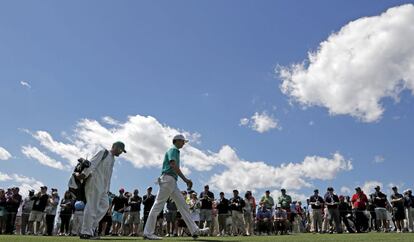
(184, 210)
(317, 221)
(166, 188)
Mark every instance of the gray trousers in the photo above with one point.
(335, 216)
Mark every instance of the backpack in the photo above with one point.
(76, 186)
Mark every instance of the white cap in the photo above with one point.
(180, 137)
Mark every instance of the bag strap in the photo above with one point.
(106, 153)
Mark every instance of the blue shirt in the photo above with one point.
(172, 154)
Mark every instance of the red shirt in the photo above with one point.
(359, 200)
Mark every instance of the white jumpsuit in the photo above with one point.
(96, 191)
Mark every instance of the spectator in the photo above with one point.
(267, 200)
(159, 224)
(106, 222)
(263, 219)
(292, 223)
(26, 209)
(194, 208)
(126, 227)
(359, 204)
(148, 200)
(134, 214)
(300, 218)
(397, 202)
(345, 211)
(181, 225)
(66, 208)
(410, 210)
(2, 210)
(171, 217)
(284, 201)
(236, 206)
(223, 213)
(280, 220)
(249, 212)
(50, 211)
(380, 202)
(308, 212)
(206, 199)
(332, 202)
(37, 213)
(214, 220)
(119, 204)
(13, 201)
(317, 203)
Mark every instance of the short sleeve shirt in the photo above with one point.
(285, 201)
(172, 154)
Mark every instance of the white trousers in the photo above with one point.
(97, 204)
(169, 189)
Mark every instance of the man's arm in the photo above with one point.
(177, 170)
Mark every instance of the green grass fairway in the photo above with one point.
(302, 237)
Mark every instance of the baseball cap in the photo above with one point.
(43, 187)
(377, 187)
(180, 137)
(316, 190)
(121, 190)
(120, 145)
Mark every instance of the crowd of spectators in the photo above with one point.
(45, 213)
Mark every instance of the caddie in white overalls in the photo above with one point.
(97, 185)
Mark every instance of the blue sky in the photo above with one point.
(202, 67)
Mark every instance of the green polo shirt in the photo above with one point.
(172, 154)
(285, 201)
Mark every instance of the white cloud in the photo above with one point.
(25, 84)
(345, 190)
(379, 159)
(260, 122)
(244, 121)
(368, 186)
(35, 153)
(246, 175)
(352, 71)
(110, 121)
(145, 138)
(23, 182)
(4, 154)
